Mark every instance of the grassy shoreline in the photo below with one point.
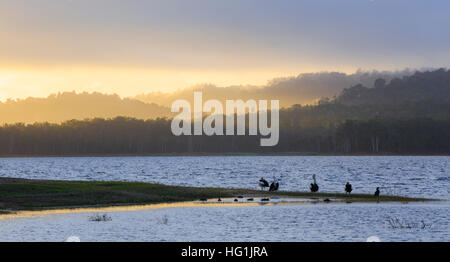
(37, 195)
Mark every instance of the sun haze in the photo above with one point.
(134, 47)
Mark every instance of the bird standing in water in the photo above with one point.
(348, 188)
(377, 192)
(314, 187)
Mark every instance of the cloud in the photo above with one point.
(199, 34)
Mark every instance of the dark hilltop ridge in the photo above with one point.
(306, 88)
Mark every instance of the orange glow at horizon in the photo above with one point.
(22, 82)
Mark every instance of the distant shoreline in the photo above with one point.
(212, 154)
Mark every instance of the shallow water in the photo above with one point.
(411, 176)
(319, 222)
(427, 176)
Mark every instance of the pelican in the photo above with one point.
(314, 187)
(348, 188)
(377, 192)
(263, 183)
(274, 186)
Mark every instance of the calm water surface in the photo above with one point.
(410, 176)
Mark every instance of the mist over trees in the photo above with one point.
(302, 89)
(408, 115)
(421, 86)
(70, 105)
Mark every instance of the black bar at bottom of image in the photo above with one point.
(227, 250)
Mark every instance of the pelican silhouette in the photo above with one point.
(377, 192)
(314, 187)
(348, 188)
(263, 183)
(274, 186)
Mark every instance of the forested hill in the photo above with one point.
(403, 116)
(421, 86)
(303, 89)
(424, 94)
(70, 105)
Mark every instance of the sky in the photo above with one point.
(131, 47)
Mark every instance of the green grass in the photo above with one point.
(22, 194)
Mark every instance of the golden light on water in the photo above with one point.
(126, 208)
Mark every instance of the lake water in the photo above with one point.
(409, 176)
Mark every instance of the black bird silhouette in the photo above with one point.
(314, 187)
(274, 186)
(348, 188)
(377, 192)
(263, 183)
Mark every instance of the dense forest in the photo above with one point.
(410, 115)
(132, 136)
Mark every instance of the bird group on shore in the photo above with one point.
(314, 187)
(272, 187)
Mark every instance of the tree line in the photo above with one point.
(410, 115)
(123, 135)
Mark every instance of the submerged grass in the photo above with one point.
(25, 194)
(100, 218)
